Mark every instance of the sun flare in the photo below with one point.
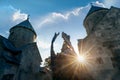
(81, 58)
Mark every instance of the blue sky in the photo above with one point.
(48, 17)
(42, 7)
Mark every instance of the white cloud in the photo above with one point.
(13, 13)
(66, 15)
(97, 3)
(45, 21)
(19, 16)
(11, 16)
(56, 17)
(109, 3)
(12, 8)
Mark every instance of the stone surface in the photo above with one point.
(102, 43)
(66, 66)
(19, 55)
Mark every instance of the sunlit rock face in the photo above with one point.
(19, 55)
(102, 44)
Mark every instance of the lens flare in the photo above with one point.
(81, 58)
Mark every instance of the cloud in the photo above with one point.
(11, 14)
(56, 17)
(19, 16)
(97, 3)
(53, 17)
(10, 17)
(66, 15)
(109, 3)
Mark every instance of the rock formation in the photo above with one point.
(102, 43)
(19, 55)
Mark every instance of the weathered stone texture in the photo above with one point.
(30, 58)
(103, 43)
(21, 36)
(92, 19)
(19, 55)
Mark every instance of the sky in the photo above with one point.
(48, 17)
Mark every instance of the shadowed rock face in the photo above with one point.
(19, 56)
(65, 70)
(22, 34)
(64, 66)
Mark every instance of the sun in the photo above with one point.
(81, 59)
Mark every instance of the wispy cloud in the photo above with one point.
(97, 3)
(109, 3)
(18, 15)
(56, 17)
(13, 12)
(12, 15)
